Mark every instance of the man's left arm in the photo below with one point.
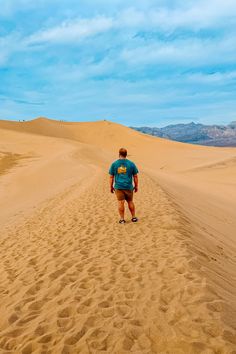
(111, 172)
(112, 183)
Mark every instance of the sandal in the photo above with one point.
(134, 219)
(122, 221)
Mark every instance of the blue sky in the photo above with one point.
(134, 62)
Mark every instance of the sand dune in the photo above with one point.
(151, 151)
(75, 281)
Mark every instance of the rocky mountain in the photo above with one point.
(195, 133)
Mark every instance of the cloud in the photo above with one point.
(190, 15)
(198, 16)
(72, 30)
(8, 44)
(187, 52)
(212, 78)
(145, 60)
(20, 101)
(194, 15)
(10, 8)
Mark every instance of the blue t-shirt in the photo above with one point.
(123, 170)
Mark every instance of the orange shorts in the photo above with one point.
(124, 194)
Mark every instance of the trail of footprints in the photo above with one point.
(75, 281)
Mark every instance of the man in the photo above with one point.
(124, 172)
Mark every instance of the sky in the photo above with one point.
(133, 62)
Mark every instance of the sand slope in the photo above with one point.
(150, 151)
(75, 281)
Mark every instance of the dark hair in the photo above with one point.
(123, 152)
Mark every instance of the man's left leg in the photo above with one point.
(121, 208)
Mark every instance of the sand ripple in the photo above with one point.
(75, 281)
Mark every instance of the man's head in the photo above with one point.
(122, 153)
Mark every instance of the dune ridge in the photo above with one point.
(75, 281)
(170, 156)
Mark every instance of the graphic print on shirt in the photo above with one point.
(122, 169)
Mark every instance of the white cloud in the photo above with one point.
(9, 7)
(200, 14)
(190, 15)
(8, 45)
(72, 30)
(214, 78)
(129, 61)
(75, 73)
(3, 50)
(183, 52)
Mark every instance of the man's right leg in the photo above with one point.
(131, 208)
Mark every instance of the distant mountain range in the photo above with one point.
(195, 133)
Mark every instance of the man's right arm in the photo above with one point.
(135, 176)
(135, 183)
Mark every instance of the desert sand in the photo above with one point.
(73, 280)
